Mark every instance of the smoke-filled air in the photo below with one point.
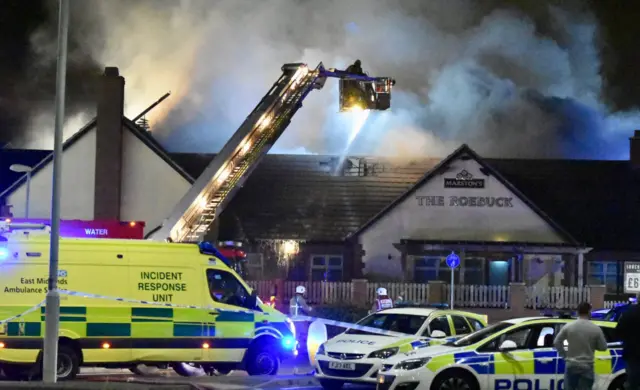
(509, 82)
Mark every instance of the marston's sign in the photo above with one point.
(464, 201)
(463, 180)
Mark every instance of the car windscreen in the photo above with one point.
(615, 313)
(401, 323)
(481, 334)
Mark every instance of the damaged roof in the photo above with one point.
(302, 197)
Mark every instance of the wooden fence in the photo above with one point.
(469, 296)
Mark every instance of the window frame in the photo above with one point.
(432, 318)
(439, 268)
(605, 275)
(481, 269)
(534, 331)
(326, 267)
(472, 322)
(239, 281)
(464, 319)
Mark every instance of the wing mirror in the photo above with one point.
(508, 345)
(438, 334)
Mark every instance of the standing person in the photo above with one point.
(298, 305)
(584, 338)
(627, 332)
(382, 301)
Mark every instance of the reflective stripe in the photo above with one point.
(382, 304)
(481, 363)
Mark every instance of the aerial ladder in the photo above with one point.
(193, 215)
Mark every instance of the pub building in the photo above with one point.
(546, 222)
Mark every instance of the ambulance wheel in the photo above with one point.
(188, 369)
(330, 384)
(68, 363)
(262, 359)
(454, 380)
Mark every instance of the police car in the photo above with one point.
(355, 356)
(510, 355)
(615, 312)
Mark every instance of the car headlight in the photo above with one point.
(412, 364)
(320, 350)
(384, 353)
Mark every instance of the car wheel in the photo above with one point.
(188, 369)
(68, 363)
(143, 369)
(331, 384)
(262, 359)
(618, 383)
(455, 380)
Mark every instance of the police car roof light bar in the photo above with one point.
(207, 248)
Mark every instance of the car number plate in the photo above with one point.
(342, 366)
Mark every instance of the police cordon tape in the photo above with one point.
(18, 316)
(295, 318)
(317, 320)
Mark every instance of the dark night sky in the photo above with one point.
(25, 86)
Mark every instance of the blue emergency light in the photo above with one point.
(4, 253)
(207, 248)
(288, 342)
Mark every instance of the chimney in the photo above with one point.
(634, 149)
(108, 170)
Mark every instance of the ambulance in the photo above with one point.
(130, 302)
(516, 354)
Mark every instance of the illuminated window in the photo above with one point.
(326, 267)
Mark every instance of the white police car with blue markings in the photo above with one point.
(511, 355)
(356, 355)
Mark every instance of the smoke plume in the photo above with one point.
(511, 82)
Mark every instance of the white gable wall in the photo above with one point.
(438, 218)
(77, 184)
(150, 186)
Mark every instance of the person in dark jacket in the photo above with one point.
(627, 332)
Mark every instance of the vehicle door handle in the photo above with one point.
(545, 360)
(214, 313)
(604, 357)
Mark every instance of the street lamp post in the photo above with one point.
(19, 168)
(52, 305)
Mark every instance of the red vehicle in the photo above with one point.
(133, 230)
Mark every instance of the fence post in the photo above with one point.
(436, 292)
(517, 298)
(596, 293)
(359, 292)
